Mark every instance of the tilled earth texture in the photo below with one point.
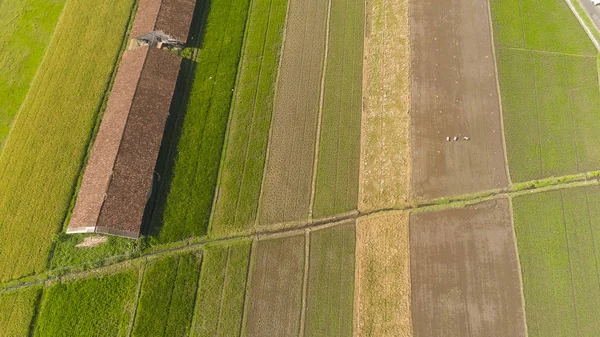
(456, 123)
(465, 272)
(290, 160)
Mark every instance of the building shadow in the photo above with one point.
(152, 222)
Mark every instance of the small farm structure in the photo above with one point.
(118, 178)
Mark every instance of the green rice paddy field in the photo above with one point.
(21, 50)
(558, 239)
(42, 159)
(549, 89)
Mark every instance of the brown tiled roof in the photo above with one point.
(104, 152)
(145, 17)
(119, 174)
(175, 18)
(133, 172)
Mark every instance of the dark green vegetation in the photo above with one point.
(93, 307)
(42, 158)
(549, 85)
(17, 309)
(26, 27)
(339, 147)
(558, 237)
(66, 254)
(221, 290)
(247, 138)
(167, 298)
(330, 296)
(189, 196)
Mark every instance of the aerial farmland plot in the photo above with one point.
(27, 27)
(42, 159)
(337, 174)
(18, 310)
(167, 297)
(222, 290)
(330, 292)
(558, 235)
(382, 293)
(287, 186)
(276, 286)
(247, 138)
(549, 87)
(98, 306)
(465, 272)
(457, 142)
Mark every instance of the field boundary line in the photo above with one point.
(275, 98)
(587, 203)
(547, 52)
(198, 285)
(313, 189)
(573, 123)
(232, 104)
(305, 281)
(36, 313)
(249, 274)
(537, 112)
(493, 43)
(81, 271)
(583, 25)
(519, 268)
(562, 203)
(219, 315)
(136, 300)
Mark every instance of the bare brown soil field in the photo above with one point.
(454, 94)
(287, 187)
(385, 154)
(275, 298)
(465, 272)
(382, 295)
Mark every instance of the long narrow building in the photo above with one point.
(118, 178)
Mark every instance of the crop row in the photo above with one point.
(41, 161)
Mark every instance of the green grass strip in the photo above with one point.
(26, 27)
(42, 159)
(220, 300)
(93, 307)
(167, 298)
(17, 310)
(330, 294)
(198, 154)
(339, 147)
(244, 161)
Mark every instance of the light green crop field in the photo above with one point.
(549, 87)
(189, 198)
(339, 146)
(26, 27)
(41, 161)
(248, 134)
(167, 298)
(558, 238)
(220, 299)
(100, 306)
(330, 294)
(17, 309)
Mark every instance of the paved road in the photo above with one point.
(593, 11)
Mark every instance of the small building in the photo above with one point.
(117, 180)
